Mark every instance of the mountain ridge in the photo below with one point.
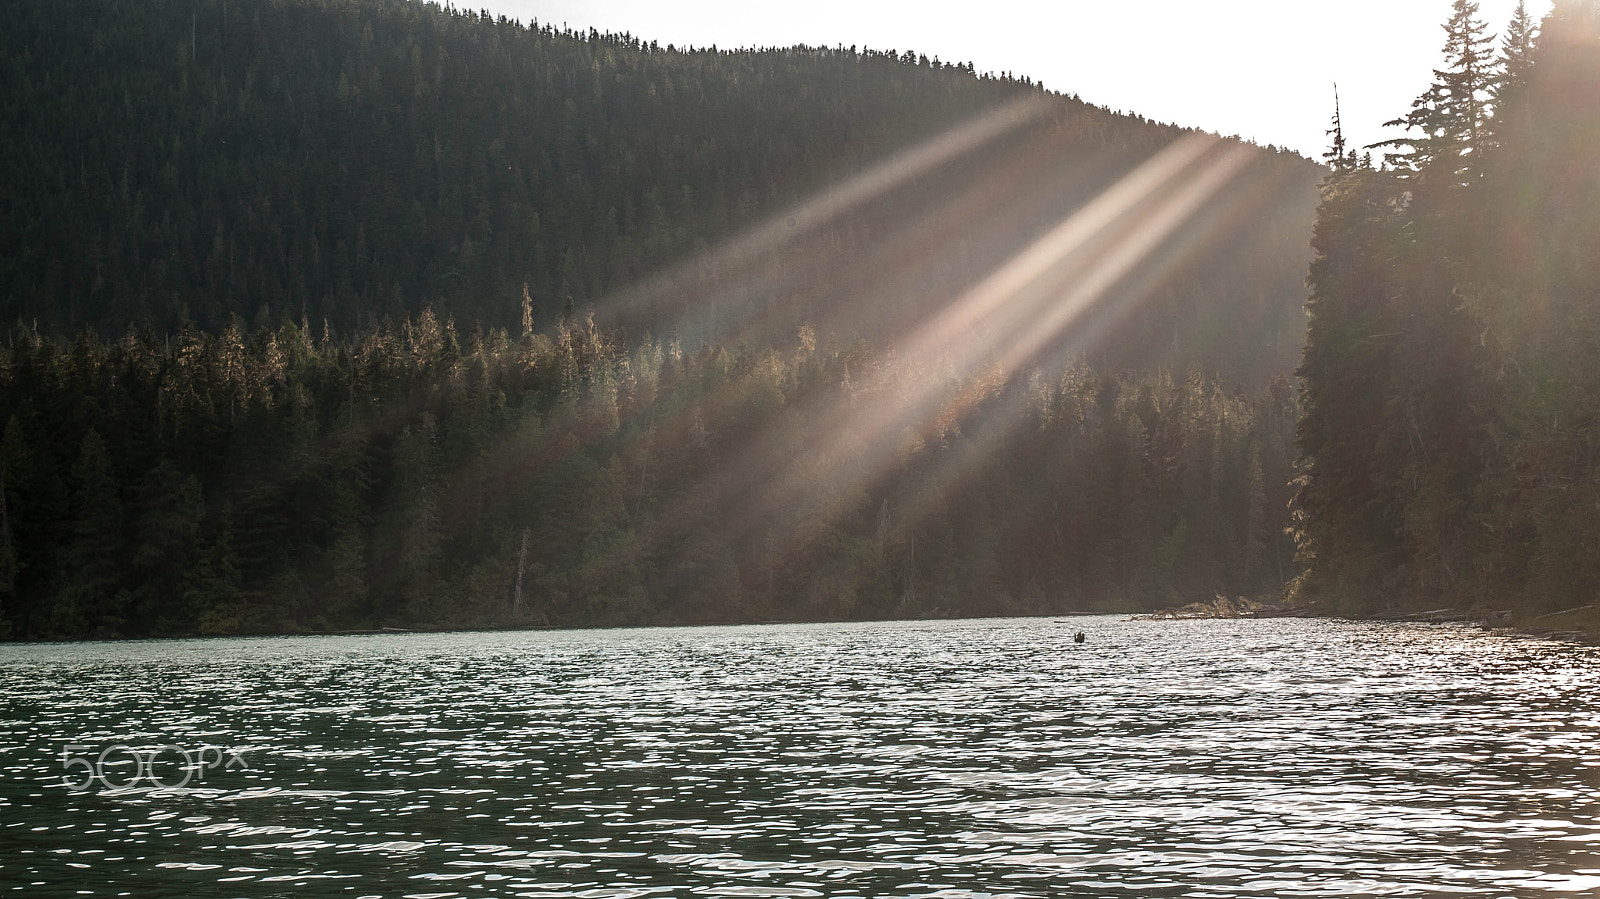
(347, 160)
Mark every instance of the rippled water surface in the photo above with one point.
(948, 759)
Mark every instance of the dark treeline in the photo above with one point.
(280, 481)
(1451, 440)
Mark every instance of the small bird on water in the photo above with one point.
(1079, 637)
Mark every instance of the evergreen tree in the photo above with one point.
(1449, 119)
(8, 558)
(90, 600)
(169, 551)
(1516, 56)
(1338, 155)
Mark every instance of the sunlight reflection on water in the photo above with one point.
(932, 759)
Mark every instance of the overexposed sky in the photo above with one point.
(1261, 69)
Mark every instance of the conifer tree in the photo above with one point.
(1336, 155)
(169, 544)
(1448, 121)
(8, 557)
(1516, 54)
(89, 600)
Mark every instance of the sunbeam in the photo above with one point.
(781, 229)
(1023, 306)
(1127, 253)
(956, 323)
(1068, 308)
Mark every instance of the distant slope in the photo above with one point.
(540, 328)
(347, 160)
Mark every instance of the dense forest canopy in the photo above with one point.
(1451, 440)
(350, 160)
(428, 477)
(345, 313)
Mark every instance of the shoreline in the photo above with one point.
(1580, 625)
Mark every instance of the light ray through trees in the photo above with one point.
(1007, 319)
(736, 254)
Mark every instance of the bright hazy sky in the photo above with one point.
(1262, 69)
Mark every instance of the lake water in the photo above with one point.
(928, 759)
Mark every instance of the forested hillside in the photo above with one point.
(351, 159)
(344, 313)
(347, 160)
(1451, 439)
